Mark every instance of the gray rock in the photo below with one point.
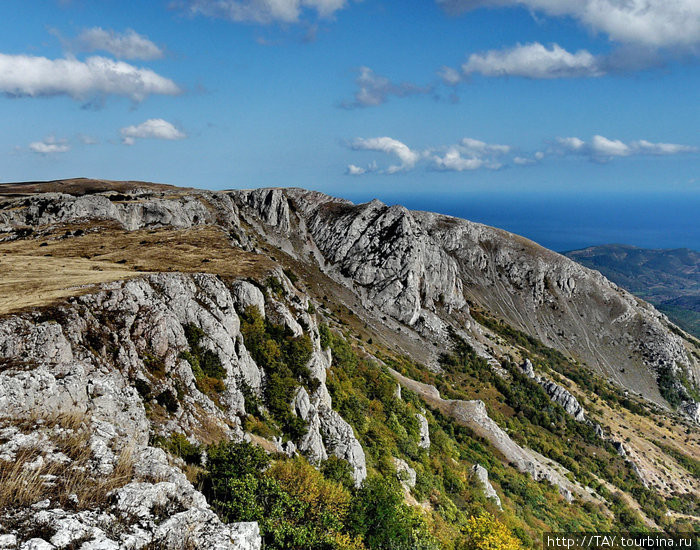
(311, 444)
(246, 294)
(200, 528)
(692, 410)
(473, 414)
(565, 399)
(482, 475)
(340, 441)
(528, 369)
(406, 474)
(620, 448)
(424, 437)
(37, 544)
(8, 541)
(557, 393)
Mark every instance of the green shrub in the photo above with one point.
(168, 400)
(143, 388)
(284, 358)
(338, 470)
(177, 444)
(379, 514)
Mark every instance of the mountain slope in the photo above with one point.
(178, 320)
(669, 279)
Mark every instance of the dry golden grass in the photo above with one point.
(30, 478)
(638, 432)
(42, 271)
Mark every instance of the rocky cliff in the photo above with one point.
(149, 342)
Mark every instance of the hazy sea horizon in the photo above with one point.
(567, 222)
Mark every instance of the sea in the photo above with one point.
(564, 222)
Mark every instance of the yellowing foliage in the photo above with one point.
(485, 532)
(301, 480)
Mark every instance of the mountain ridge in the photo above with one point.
(285, 318)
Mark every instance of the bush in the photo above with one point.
(143, 388)
(294, 505)
(381, 517)
(168, 400)
(203, 362)
(338, 470)
(485, 532)
(178, 445)
(284, 357)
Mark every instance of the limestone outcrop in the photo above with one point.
(482, 475)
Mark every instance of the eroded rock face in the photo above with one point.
(474, 415)
(418, 266)
(88, 356)
(557, 393)
(424, 441)
(482, 475)
(692, 410)
(158, 507)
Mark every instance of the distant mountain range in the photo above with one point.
(669, 279)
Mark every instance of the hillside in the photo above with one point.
(669, 279)
(330, 360)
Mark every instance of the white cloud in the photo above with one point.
(88, 140)
(453, 161)
(374, 89)
(261, 11)
(391, 146)
(154, 128)
(655, 23)
(49, 146)
(648, 148)
(126, 45)
(24, 75)
(467, 154)
(449, 76)
(470, 154)
(534, 61)
(354, 170)
(602, 149)
(475, 146)
(571, 143)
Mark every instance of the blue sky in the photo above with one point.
(364, 98)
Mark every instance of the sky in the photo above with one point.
(442, 104)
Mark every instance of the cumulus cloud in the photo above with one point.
(467, 154)
(260, 11)
(407, 157)
(470, 154)
(533, 61)
(602, 149)
(354, 170)
(154, 128)
(126, 45)
(374, 89)
(25, 75)
(49, 146)
(656, 23)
